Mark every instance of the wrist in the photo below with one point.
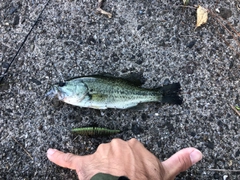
(104, 176)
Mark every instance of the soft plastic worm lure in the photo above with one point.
(95, 131)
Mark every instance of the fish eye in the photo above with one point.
(61, 84)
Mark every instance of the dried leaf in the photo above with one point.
(185, 2)
(202, 16)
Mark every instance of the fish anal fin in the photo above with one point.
(138, 107)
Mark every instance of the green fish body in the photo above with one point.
(102, 92)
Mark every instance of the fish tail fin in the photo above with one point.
(170, 94)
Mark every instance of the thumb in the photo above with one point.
(181, 161)
(66, 160)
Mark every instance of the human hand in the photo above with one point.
(126, 158)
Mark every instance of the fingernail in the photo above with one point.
(51, 151)
(195, 156)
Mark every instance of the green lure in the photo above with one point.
(95, 131)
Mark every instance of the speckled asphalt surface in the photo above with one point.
(154, 38)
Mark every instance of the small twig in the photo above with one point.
(183, 35)
(75, 138)
(99, 9)
(23, 148)
(218, 18)
(192, 7)
(14, 164)
(236, 111)
(224, 170)
(234, 34)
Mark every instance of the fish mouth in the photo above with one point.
(55, 91)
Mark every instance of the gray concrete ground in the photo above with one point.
(152, 37)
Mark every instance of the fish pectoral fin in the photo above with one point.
(82, 96)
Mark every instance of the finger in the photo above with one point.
(135, 143)
(66, 160)
(181, 161)
(117, 144)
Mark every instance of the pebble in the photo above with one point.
(191, 44)
(136, 129)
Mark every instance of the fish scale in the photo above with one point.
(119, 90)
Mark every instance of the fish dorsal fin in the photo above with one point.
(135, 78)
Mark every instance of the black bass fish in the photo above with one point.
(102, 92)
